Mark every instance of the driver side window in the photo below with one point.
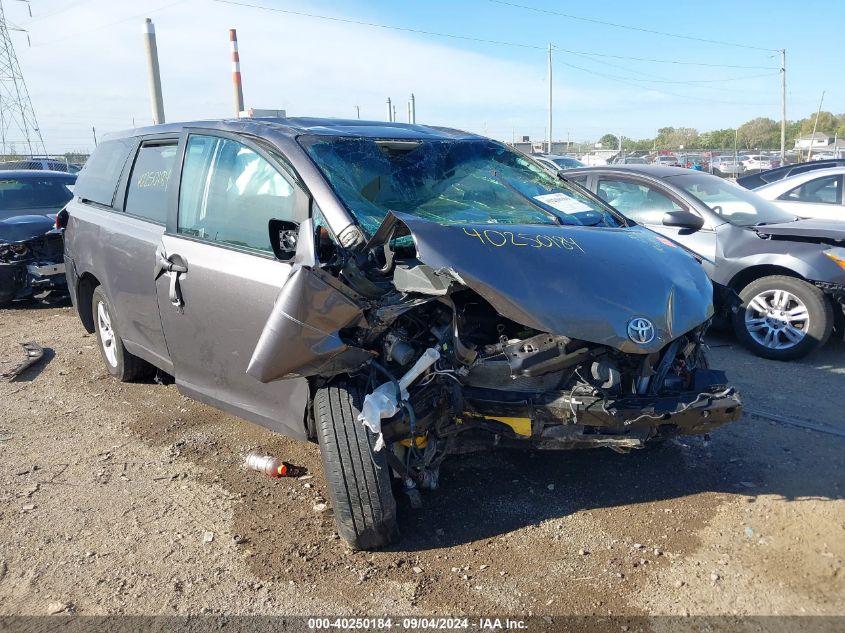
(229, 193)
(641, 203)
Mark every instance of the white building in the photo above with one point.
(817, 141)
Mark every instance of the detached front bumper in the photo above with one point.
(19, 280)
(564, 420)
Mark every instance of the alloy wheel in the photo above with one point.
(107, 336)
(777, 319)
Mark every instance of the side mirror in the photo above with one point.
(683, 219)
(284, 236)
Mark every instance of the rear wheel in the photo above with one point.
(782, 318)
(121, 364)
(358, 478)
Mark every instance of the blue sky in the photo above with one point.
(85, 66)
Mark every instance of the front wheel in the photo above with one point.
(782, 318)
(358, 477)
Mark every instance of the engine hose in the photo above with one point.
(386, 373)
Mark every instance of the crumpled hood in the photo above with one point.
(583, 282)
(25, 227)
(809, 228)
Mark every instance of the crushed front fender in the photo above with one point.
(302, 334)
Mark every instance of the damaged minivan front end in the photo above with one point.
(452, 357)
(577, 330)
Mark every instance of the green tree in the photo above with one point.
(673, 138)
(826, 125)
(609, 141)
(759, 133)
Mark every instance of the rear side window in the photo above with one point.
(98, 180)
(146, 195)
(824, 190)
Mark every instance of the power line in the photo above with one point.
(632, 82)
(380, 26)
(632, 28)
(664, 61)
(692, 82)
(103, 26)
(471, 38)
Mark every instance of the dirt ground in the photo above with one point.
(130, 499)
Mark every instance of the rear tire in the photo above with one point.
(119, 363)
(759, 322)
(358, 478)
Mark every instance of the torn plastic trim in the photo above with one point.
(34, 353)
(302, 334)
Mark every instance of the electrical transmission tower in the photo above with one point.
(18, 126)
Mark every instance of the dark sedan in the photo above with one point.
(31, 258)
(789, 273)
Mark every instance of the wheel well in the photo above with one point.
(746, 276)
(84, 296)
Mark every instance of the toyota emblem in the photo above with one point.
(641, 331)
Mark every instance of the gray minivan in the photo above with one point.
(398, 293)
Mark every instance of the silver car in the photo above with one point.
(398, 293)
(727, 165)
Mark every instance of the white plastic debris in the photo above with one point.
(382, 402)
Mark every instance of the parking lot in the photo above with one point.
(130, 499)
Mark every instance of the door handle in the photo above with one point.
(175, 265)
(167, 265)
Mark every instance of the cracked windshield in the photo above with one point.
(461, 181)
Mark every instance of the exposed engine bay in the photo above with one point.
(31, 257)
(446, 371)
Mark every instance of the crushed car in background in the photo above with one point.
(31, 250)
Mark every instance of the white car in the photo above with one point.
(757, 162)
(811, 194)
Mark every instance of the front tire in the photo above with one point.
(782, 318)
(119, 363)
(358, 477)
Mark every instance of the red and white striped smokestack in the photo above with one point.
(236, 73)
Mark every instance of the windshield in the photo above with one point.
(34, 193)
(448, 181)
(731, 202)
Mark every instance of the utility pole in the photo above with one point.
(94, 132)
(389, 110)
(237, 86)
(358, 111)
(736, 157)
(550, 99)
(782, 106)
(16, 113)
(815, 124)
(153, 75)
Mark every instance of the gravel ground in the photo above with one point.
(130, 499)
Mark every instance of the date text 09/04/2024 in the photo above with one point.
(417, 623)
